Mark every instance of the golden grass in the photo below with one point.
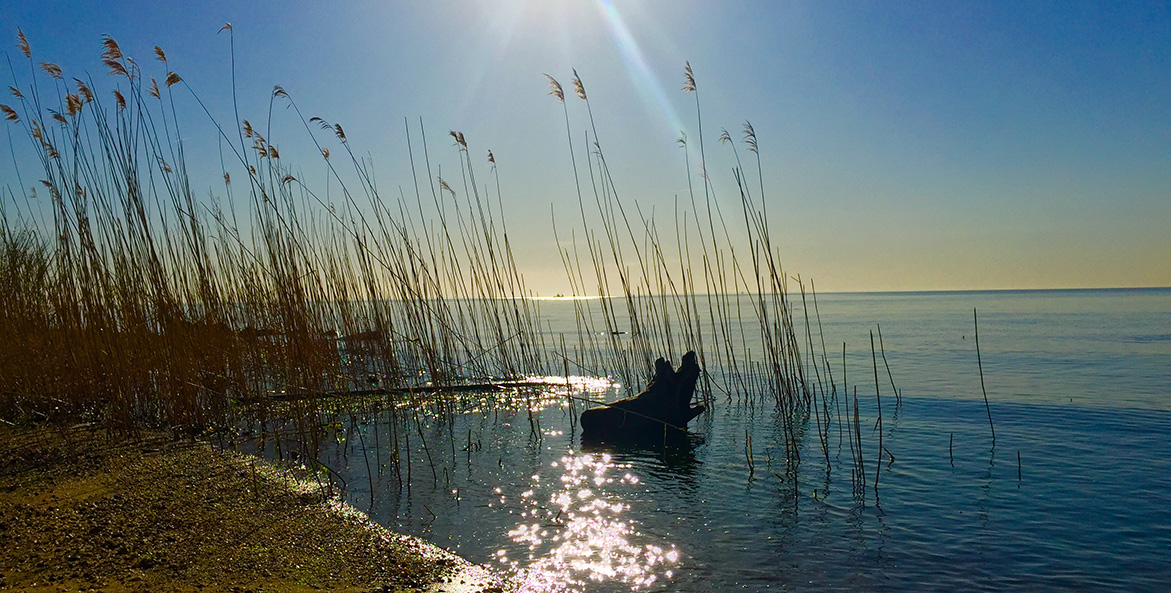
(135, 304)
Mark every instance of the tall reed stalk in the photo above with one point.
(131, 301)
(139, 304)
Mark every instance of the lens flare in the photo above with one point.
(645, 83)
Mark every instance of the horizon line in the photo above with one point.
(561, 297)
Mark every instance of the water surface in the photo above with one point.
(1072, 496)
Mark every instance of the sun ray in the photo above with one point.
(646, 84)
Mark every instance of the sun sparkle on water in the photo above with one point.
(580, 534)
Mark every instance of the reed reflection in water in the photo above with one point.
(579, 533)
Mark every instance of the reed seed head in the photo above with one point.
(688, 78)
(9, 113)
(15, 92)
(226, 27)
(173, 79)
(73, 104)
(111, 51)
(83, 90)
(459, 139)
(154, 88)
(750, 137)
(22, 44)
(160, 55)
(322, 123)
(555, 89)
(53, 69)
(578, 87)
(116, 68)
(121, 100)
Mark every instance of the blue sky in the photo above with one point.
(905, 145)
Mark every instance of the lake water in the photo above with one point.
(1074, 495)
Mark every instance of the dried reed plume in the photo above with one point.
(578, 87)
(688, 78)
(555, 89)
(22, 44)
(140, 305)
(53, 70)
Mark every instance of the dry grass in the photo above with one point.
(135, 305)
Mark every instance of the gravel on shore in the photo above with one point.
(83, 512)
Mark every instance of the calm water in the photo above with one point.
(1080, 389)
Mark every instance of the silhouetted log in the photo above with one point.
(662, 409)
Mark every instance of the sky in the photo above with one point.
(903, 145)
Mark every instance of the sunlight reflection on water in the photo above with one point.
(579, 533)
(1073, 497)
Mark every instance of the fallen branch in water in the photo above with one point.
(422, 389)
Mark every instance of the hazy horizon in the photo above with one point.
(903, 147)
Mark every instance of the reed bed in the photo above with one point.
(132, 303)
(702, 288)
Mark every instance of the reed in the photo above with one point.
(889, 375)
(660, 300)
(748, 455)
(980, 365)
(133, 303)
(878, 424)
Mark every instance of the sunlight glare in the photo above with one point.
(591, 540)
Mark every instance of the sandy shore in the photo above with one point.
(79, 512)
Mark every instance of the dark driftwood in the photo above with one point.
(662, 409)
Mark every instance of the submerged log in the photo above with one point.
(662, 409)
